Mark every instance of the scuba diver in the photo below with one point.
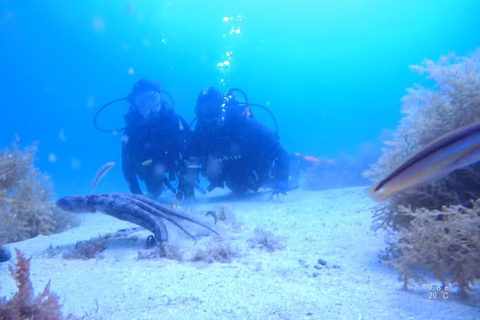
(231, 148)
(154, 138)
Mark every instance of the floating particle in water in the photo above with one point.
(235, 31)
(98, 24)
(159, 170)
(9, 14)
(131, 71)
(61, 135)
(130, 8)
(52, 157)
(75, 163)
(224, 64)
(225, 19)
(90, 102)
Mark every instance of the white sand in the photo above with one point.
(331, 225)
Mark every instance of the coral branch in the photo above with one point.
(434, 226)
(23, 305)
(25, 207)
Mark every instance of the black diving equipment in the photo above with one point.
(230, 101)
(137, 100)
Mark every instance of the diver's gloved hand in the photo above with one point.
(280, 188)
(180, 196)
(185, 193)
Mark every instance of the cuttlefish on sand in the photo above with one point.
(456, 149)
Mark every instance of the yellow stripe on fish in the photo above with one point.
(456, 149)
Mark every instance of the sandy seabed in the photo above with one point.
(289, 283)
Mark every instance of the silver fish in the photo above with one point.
(101, 173)
(456, 149)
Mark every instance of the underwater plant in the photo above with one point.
(23, 304)
(216, 250)
(434, 227)
(265, 240)
(453, 102)
(443, 242)
(162, 251)
(25, 207)
(87, 249)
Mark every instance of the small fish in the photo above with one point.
(456, 149)
(147, 162)
(101, 173)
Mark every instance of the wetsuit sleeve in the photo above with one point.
(187, 179)
(271, 148)
(186, 137)
(128, 167)
(282, 163)
(189, 169)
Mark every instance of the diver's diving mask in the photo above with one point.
(210, 113)
(147, 102)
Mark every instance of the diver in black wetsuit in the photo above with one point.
(153, 141)
(231, 148)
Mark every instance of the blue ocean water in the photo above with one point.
(332, 72)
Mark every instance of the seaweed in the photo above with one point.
(445, 243)
(265, 240)
(25, 208)
(87, 249)
(453, 102)
(216, 250)
(23, 304)
(162, 251)
(434, 228)
(213, 250)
